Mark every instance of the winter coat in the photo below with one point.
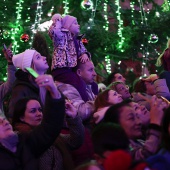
(22, 88)
(67, 49)
(57, 157)
(140, 149)
(84, 108)
(6, 87)
(35, 143)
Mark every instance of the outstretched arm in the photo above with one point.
(44, 135)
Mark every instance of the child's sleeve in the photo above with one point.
(55, 30)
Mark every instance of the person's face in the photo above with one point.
(119, 77)
(5, 128)
(87, 72)
(33, 113)
(40, 63)
(114, 97)
(123, 90)
(142, 112)
(130, 122)
(75, 28)
(150, 88)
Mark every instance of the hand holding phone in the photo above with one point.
(7, 52)
(32, 72)
(4, 47)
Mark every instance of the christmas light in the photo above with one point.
(16, 26)
(108, 65)
(106, 27)
(132, 12)
(120, 27)
(66, 8)
(38, 18)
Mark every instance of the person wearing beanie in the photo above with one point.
(23, 59)
(24, 85)
(68, 49)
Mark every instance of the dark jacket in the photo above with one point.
(57, 157)
(22, 88)
(35, 143)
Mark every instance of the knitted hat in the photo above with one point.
(67, 21)
(24, 59)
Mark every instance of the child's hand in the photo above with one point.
(84, 58)
(57, 20)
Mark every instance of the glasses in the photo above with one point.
(126, 87)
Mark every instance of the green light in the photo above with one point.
(86, 6)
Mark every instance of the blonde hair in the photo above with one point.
(160, 60)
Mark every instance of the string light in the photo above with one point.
(166, 6)
(93, 13)
(106, 27)
(66, 8)
(132, 11)
(38, 18)
(108, 65)
(120, 26)
(16, 26)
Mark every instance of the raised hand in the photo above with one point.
(157, 110)
(84, 58)
(71, 111)
(8, 53)
(48, 82)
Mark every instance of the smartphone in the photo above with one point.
(32, 72)
(4, 47)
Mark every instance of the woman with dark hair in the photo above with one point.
(21, 150)
(28, 115)
(108, 137)
(103, 101)
(121, 88)
(124, 115)
(19, 116)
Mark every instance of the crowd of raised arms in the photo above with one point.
(65, 120)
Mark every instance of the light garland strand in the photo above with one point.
(108, 64)
(66, 8)
(91, 19)
(15, 30)
(2, 23)
(132, 12)
(166, 6)
(120, 26)
(106, 27)
(38, 18)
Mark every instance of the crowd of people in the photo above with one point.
(66, 121)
